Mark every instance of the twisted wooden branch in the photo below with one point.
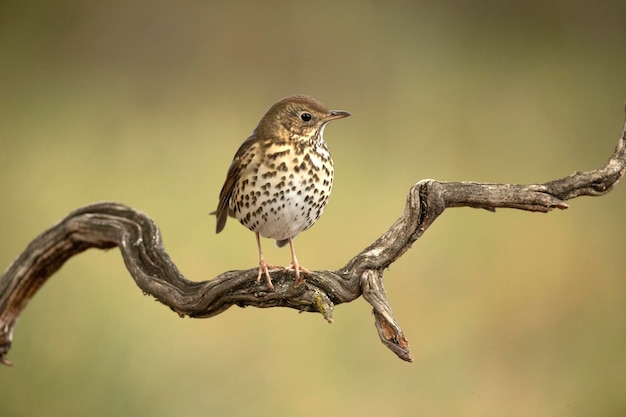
(107, 224)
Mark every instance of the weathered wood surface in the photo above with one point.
(106, 225)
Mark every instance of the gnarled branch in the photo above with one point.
(107, 224)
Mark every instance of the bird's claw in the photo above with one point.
(265, 268)
(294, 266)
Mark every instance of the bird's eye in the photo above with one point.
(306, 117)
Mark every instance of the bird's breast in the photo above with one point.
(283, 192)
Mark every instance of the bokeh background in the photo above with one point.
(145, 103)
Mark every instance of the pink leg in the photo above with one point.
(296, 266)
(263, 266)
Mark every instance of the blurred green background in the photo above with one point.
(145, 103)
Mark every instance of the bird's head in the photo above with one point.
(297, 118)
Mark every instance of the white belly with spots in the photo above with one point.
(281, 200)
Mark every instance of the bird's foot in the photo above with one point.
(294, 266)
(265, 268)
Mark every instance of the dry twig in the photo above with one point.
(107, 224)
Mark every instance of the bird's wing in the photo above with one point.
(234, 171)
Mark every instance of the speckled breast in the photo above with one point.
(284, 192)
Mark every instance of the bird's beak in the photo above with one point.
(338, 114)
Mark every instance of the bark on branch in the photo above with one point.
(108, 224)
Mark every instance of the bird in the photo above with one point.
(280, 179)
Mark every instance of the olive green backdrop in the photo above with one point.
(145, 103)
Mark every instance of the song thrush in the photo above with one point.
(281, 176)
